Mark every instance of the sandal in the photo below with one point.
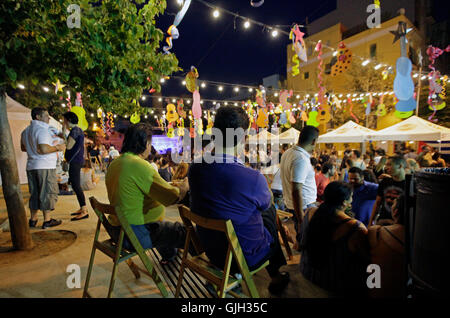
(76, 213)
(82, 218)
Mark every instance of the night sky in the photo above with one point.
(225, 54)
(224, 51)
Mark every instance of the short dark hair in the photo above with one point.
(327, 167)
(357, 153)
(71, 117)
(136, 137)
(398, 160)
(314, 161)
(37, 111)
(307, 135)
(231, 117)
(356, 170)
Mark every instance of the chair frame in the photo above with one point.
(116, 251)
(220, 278)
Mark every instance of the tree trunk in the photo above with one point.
(20, 232)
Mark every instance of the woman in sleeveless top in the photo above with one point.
(334, 246)
(388, 251)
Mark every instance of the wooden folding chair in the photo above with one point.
(117, 253)
(283, 233)
(221, 279)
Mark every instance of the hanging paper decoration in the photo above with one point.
(172, 115)
(403, 115)
(320, 74)
(196, 108)
(377, 4)
(173, 31)
(261, 96)
(170, 130)
(210, 124)
(344, 60)
(292, 119)
(99, 113)
(191, 80)
(296, 66)
(312, 118)
(81, 114)
(381, 108)
(298, 44)
(180, 109)
(255, 4)
(135, 118)
(263, 118)
(284, 95)
(278, 109)
(435, 88)
(323, 115)
(385, 74)
(351, 110)
(403, 82)
(180, 126)
(58, 86)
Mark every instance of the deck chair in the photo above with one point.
(221, 279)
(116, 252)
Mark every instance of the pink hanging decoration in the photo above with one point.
(351, 111)
(320, 75)
(196, 108)
(433, 54)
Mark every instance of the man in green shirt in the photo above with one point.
(138, 192)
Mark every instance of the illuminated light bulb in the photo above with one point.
(235, 104)
(276, 94)
(63, 105)
(162, 80)
(214, 103)
(115, 116)
(220, 88)
(340, 95)
(365, 62)
(298, 96)
(247, 24)
(274, 33)
(21, 86)
(174, 100)
(335, 53)
(216, 13)
(184, 82)
(160, 99)
(201, 102)
(226, 103)
(415, 75)
(45, 88)
(145, 116)
(152, 112)
(188, 101)
(203, 85)
(92, 115)
(250, 89)
(423, 77)
(378, 66)
(236, 89)
(143, 97)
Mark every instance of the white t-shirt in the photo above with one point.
(114, 153)
(296, 167)
(360, 164)
(276, 182)
(38, 133)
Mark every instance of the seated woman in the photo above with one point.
(334, 246)
(88, 179)
(138, 192)
(387, 249)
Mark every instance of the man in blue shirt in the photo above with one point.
(226, 189)
(364, 195)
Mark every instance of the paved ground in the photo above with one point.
(46, 277)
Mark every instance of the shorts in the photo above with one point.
(44, 190)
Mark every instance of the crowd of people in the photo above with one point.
(348, 210)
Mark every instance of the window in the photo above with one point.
(373, 51)
(306, 75)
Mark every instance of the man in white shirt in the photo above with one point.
(297, 175)
(37, 141)
(113, 153)
(357, 160)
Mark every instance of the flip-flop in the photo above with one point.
(76, 219)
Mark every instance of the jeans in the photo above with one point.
(74, 180)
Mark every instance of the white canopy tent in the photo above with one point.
(262, 137)
(289, 136)
(412, 129)
(349, 132)
(19, 117)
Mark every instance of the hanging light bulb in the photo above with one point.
(21, 86)
(365, 62)
(236, 89)
(203, 85)
(247, 24)
(220, 88)
(378, 66)
(115, 116)
(188, 101)
(216, 13)
(274, 33)
(45, 88)
(162, 80)
(183, 83)
(143, 97)
(160, 99)
(250, 89)
(276, 94)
